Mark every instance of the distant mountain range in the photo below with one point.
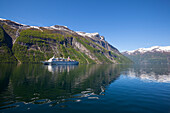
(155, 54)
(24, 43)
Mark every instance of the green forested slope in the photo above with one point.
(6, 54)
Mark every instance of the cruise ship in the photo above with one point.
(60, 61)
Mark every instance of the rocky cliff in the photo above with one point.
(26, 43)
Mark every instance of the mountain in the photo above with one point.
(155, 54)
(24, 43)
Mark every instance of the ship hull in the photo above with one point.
(61, 63)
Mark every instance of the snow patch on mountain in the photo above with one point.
(2, 19)
(151, 49)
(36, 27)
(59, 27)
(91, 35)
(13, 22)
(87, 34)
(55, 27)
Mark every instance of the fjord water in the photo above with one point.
(84, 88)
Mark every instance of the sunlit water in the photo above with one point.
(85, 88)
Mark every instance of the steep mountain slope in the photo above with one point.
(6, 54)
(34, 44)
(155, 54)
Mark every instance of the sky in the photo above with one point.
(125, 24)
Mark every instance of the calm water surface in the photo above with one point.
(36, 88)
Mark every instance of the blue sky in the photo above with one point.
(126, 24)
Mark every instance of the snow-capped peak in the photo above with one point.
(91, 35)
(17, 25)
(58, 27)
(2, 19)
(87, 34)
(151, 49)
(35, 27)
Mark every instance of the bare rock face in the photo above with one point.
(83, 49)
(95, 37)
(34, 44)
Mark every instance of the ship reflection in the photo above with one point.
(60, 68)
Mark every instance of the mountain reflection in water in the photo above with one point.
(84, 88)
(156, 73)
(39, 84)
